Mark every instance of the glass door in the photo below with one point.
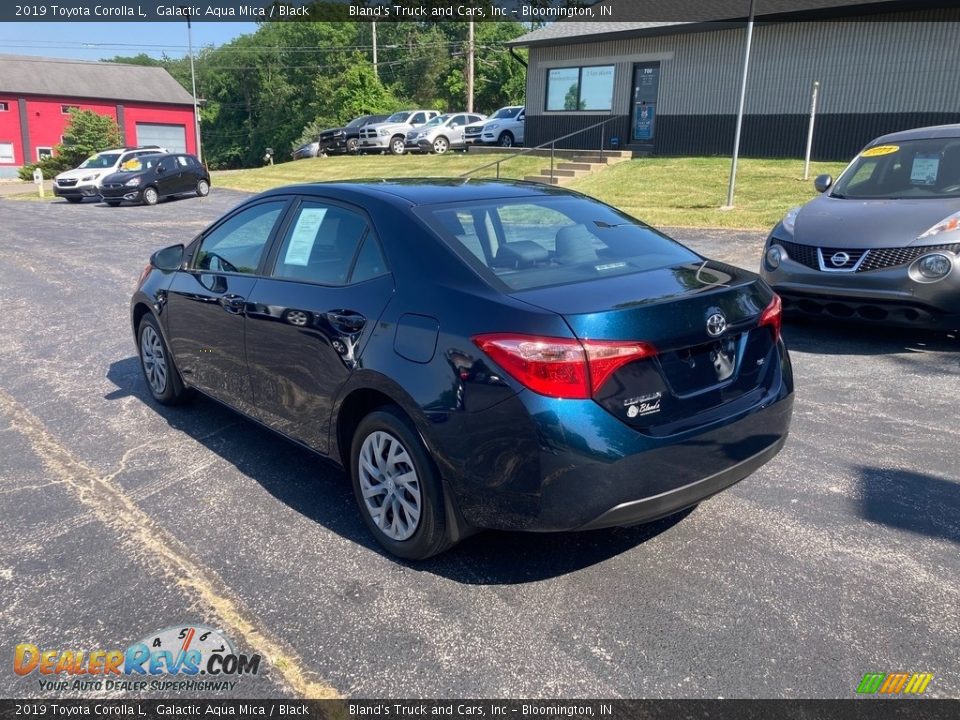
(646, 87)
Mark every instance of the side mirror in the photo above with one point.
(822, 183)
(169, 259)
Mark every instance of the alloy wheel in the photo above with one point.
(440, 146)
(390, 485)
(154, 360)
(203, 188)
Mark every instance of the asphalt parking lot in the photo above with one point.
(120, 517)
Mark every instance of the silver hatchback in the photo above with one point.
(882, 243)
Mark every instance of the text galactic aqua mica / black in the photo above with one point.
(478, 354)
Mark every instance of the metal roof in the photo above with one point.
(652, 17)
(27, 75)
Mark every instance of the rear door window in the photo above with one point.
(321, 245)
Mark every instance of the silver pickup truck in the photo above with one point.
(389, 136)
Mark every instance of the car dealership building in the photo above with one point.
(672, 88)
(36, 94)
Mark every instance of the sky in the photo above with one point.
(98, 40)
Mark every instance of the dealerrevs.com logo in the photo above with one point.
(190, 657)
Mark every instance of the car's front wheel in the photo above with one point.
(150, 196)
(441, 145)
(352, 145)
(203, 188)
(397, 486)
(397, 145)
(505, 139)
(157, 364)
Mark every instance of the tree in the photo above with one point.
(86, 134)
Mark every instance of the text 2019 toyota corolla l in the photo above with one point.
(477, 354)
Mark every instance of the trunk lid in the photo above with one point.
(696, 374)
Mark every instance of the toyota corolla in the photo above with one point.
(882, 244)
(476, 354)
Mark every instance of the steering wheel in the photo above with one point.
(222, 262)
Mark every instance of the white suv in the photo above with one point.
(389, 135)
(504, 127)
(86, 180)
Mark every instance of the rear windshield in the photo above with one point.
(525, 243)
(927, 168)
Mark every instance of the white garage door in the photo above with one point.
(171, 137)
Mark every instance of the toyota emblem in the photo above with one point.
(839, 259)
(716, 324)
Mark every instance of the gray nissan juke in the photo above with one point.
(882, 243)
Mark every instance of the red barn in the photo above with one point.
(36, 94)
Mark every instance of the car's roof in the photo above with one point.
(924, 133)
(428, 191)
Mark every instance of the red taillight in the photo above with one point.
(773, 317)
(561, 367)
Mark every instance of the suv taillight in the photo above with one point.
(561, 367)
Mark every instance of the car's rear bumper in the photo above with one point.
(538, 464)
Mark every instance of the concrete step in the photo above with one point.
(597, 160)
(575, 166)
(545, 179)
(557, 171)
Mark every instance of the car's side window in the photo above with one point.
(182, 160)
(417, 119)
(321, 243)
(458, 121)
(167, 164)
(237, 244)
(370, 262)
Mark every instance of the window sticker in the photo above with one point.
(925, 169)
(132, 165)
(304, 236)
(880, 150)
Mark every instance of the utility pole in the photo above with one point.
(743, 96)
(376, 73)
(470, 67)
(193, 80)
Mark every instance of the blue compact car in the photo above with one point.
(476, 354)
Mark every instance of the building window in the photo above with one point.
(4, 106)
(44, 152)
(6, 152)
(65, 109)
(580, 88)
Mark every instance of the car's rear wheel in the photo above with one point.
(441, 145)
(352, 145)
(150, 196)
(505, 139)
(397, 486)
(74, 199)
(397, 146)
(157, 364)
(112, 203)
(203, 188)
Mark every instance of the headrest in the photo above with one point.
(522, 253)
(575, 244)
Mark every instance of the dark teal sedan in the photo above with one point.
(476, 354)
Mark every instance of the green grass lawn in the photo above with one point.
(688, 192)
(669, 192)
(349, 167)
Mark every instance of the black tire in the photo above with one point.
(505, 139)
(70, 199)
(430, 535)
(352, 145)
(150, 196)
(173, 390)
(203, 187)
(397, 146)
(112, 203)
